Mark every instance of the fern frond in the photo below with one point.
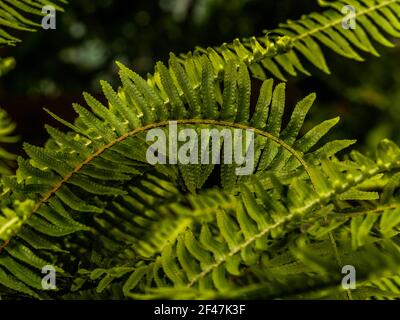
(280, 52)
(16, 15)
(225, 250)
(105, 139)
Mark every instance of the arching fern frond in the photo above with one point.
(280, 52)
(105, 137)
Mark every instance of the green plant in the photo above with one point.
(19, 15)
(115, 226)
(7, 128)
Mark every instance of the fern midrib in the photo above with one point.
(139, 130)
(9, 223)
(377, 210)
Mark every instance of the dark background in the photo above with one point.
(55, 66)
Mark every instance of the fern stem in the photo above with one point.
(377, 210)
